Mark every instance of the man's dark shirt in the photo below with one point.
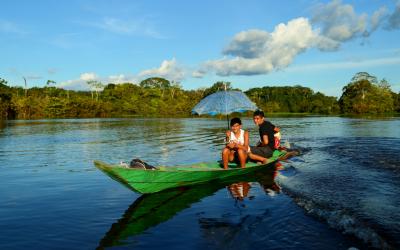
(267, 128)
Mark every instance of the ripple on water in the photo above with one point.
(53, 196)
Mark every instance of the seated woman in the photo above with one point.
(237, 144)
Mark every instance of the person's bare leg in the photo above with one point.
(289, 154)
(231, 156)
(258, 158)
(225, 157)
(242, 158)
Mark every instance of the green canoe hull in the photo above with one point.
(152, 181)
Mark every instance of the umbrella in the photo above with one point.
(225, 103)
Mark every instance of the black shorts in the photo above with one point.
(261, 151)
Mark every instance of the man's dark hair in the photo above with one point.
(258, 112)
(236, 120)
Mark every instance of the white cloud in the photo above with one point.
(76, 84)
(394, 18)
(255, 51)
(168, 69)
(88, 76)
(81, 82)
(339, 22)
(378, 17)
(121, 78)
(248, 44)
(260, 52)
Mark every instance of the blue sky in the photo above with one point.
(317, 44)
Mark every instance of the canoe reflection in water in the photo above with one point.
(149, 210)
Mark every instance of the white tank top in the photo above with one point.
(239, 140)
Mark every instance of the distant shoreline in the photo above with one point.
(219, 117)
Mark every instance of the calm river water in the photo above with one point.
(342, 192)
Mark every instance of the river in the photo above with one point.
(340, 193)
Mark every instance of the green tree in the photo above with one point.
(95, 87)
(161, 84)
(362, 96)
(396, 101)
(3, 83)
(218, 86)
(364, 76)
(5, 99)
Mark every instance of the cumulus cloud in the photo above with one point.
(339, 22)
(260, 52)
(378, 17)
(121, 78)
(88, 76)
(81, 82)
(248, 44)
(257, 51)
(394, 19)
(168, 69)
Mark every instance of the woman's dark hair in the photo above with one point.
(236, 120)
(258, 112)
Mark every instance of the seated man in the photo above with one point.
(266, 146)
(237, 144)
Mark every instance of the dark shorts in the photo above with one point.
(261, 151)
(236, 158)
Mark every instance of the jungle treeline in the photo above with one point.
(159, 97)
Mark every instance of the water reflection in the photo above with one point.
(239, 190)
(233, 231)
(3, 125)
(149, 210)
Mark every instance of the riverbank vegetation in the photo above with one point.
(159, 97)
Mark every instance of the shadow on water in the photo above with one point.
(149, 210)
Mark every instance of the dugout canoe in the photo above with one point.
(166, 177)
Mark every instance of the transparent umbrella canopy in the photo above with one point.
(225, 103)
